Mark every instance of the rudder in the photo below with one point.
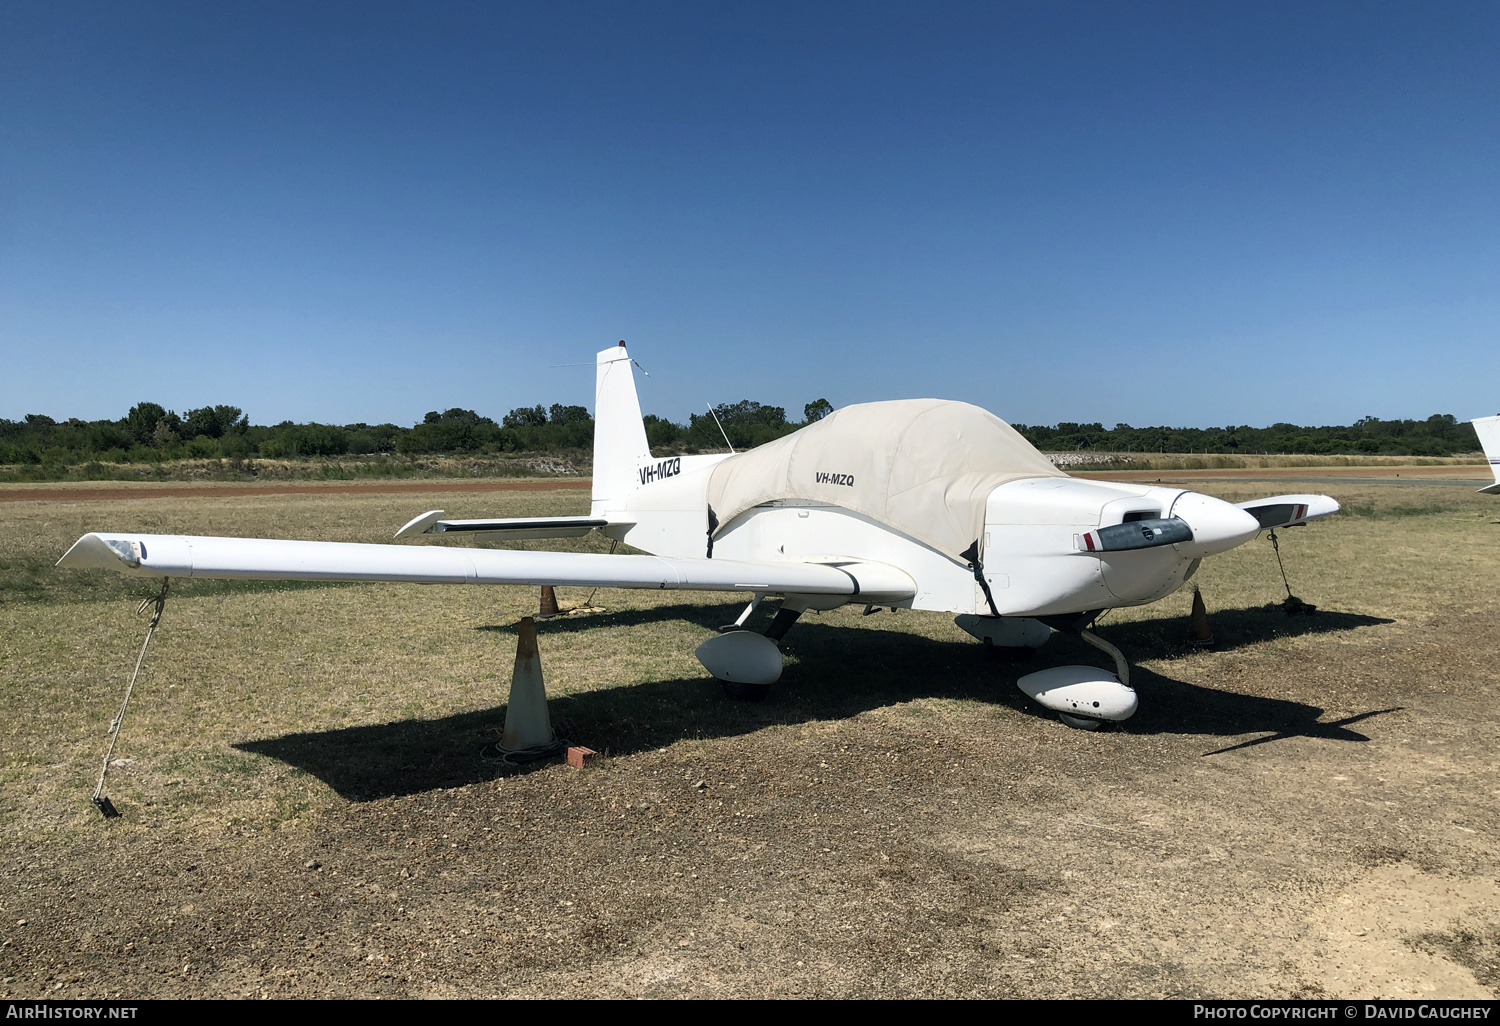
(619, 432)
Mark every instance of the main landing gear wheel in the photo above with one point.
(746, 663)
(1081, 722)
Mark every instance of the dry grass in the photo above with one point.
(895, 821)
(1225, 461)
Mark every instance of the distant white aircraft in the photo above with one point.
(1488, 429)
(919, 504)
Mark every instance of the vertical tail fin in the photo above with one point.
(1488, 429)
(619, 433)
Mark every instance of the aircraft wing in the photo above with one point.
(1488, 430)
(163, 555)
(1289, 510)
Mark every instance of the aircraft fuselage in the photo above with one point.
(1035, 554)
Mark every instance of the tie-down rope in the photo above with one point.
(102, 803)
(1291, 605)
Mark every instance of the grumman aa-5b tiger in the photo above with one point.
(923, 504)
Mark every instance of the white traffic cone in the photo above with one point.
(527, 725)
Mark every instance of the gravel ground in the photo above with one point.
(1308, 810)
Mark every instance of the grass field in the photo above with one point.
(1307, 809)
(1258, 461)
(576, 461)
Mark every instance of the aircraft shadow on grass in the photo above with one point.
(836, 673)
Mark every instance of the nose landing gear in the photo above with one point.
(1084, 697)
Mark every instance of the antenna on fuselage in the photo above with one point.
(715, 416)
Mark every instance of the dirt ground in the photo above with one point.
(1311, 808)
(113, 492)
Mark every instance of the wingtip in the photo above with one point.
(95, 552)
(419, 525)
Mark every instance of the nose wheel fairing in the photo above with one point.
(1084, 693)
(1085, 697)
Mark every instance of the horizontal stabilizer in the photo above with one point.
(1289, 510)
(161, 555)
(514, 528)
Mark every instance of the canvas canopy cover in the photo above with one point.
(924, 467)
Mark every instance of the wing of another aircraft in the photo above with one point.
(162, 555)
(1488, 429)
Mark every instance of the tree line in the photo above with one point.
(150, 433)
(1442, 434)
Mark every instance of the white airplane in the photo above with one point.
(1488, 429)
(920, 504)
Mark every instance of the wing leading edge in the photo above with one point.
(163, 555)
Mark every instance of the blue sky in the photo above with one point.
(1179, 213)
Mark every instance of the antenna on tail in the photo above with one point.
(715, 416)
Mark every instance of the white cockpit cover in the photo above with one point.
(922, 466)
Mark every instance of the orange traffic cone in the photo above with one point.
(1198, 622)
(549, 603)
